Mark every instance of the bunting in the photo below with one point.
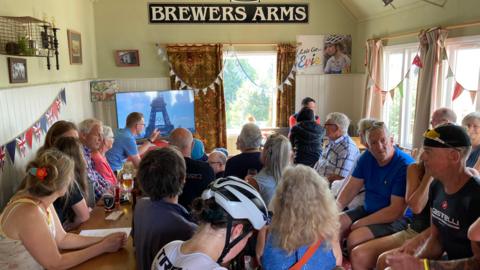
(24, 140)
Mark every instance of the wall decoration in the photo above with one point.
(319, 54)
(227, 13)
(127, 58)
(17, 70)
(103, 90)
(74, 47)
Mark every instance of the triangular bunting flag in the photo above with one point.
(291, 76)
(11, 150)
(29, 136)
(392, 93)
(172, 73)
(457, 90)
(177, 79)
(473, 95)
(280, 87)
(400, 89)
(417, 61)
(43, 123)
(196, 91)
(450, 72)
(444, 54)
(370, 82)
(221, 75)
(408, 74)
(182, 85)
(204, 90)
(63, 96)
(37, 131)
(54, 110)
(3, 156)
(22, 144)
(288, 82)
(384, 97)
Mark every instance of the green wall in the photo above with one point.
(123, 24)
(421, 16)
(69, 14)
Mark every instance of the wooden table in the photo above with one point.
(122, 259)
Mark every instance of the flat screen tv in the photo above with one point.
(164, 110)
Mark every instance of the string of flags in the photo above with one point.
(417, 63)
(162, 53)
(24, 141)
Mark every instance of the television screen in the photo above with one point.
(164, 110)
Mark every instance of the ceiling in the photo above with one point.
(364, 10)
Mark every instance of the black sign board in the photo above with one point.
(227, 13)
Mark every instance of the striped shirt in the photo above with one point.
(338, 158)
(100, 185)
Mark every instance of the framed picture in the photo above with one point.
(127, 58)
(17, 70)
(74, 47)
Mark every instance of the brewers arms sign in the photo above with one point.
(228, 13)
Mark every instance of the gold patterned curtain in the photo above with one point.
(286, 54)
(198, 66)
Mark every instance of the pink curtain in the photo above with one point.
(429, 77)
(372, 102)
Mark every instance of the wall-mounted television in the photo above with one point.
(164, 110)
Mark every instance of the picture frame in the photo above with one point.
(74, 47)
(127, 58)
(17, 70)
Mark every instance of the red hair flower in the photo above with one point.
(39, 173)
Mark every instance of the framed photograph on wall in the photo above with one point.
(74, 47)
(17, 70)
(127, 58)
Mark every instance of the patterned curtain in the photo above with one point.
(286, 54)
(198, 66)
(372, 101)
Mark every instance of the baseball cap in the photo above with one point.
(446, 136)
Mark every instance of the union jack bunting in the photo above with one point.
(37, 131)
(3, 155)
(22, 144)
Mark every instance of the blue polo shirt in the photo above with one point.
(382, 182)
(123, 146)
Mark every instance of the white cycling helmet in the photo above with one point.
(239, 199)
(333, 39)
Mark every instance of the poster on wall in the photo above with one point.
(103, 90)
(324, 54)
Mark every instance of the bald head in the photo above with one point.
(182, 138)
(443, 116)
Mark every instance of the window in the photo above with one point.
(464, 60)
(250, 89)
(399, 112)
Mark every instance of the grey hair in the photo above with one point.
(363, 125)
(464, 152)
(107, 132)
(86, 125)
(447, 114)
(470, 117)
(250, 136)
(221, 156)
(376, 125)
(276, 155)
(340, 119)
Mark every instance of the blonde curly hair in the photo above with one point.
(304, 210)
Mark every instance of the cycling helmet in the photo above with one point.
(333, 39)
(239, 199)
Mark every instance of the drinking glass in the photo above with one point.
(127, 183)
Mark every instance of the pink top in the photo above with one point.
(103, 168)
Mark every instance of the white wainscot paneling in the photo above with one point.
(20, 108)
(333, 93)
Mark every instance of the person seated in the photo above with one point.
(306, 138)
(472, 123)
(248, 142)
(316, 228)
(91, 131)
(59, 129)
(198, 150)
(161, 176)
(307, 102)
(31, 235)
(226, 223)
(339, 157)
(442, 116)
(199, 173)
(72, 210)
(337, 185)
(453, 200)
(100, 161)
(382, 171)
(275, 158)
(217, 160)
(125, 145)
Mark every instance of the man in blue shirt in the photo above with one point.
(125, 146)
(382, 171)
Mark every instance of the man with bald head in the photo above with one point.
(217, 161)
(199, 173)
(443, 116)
